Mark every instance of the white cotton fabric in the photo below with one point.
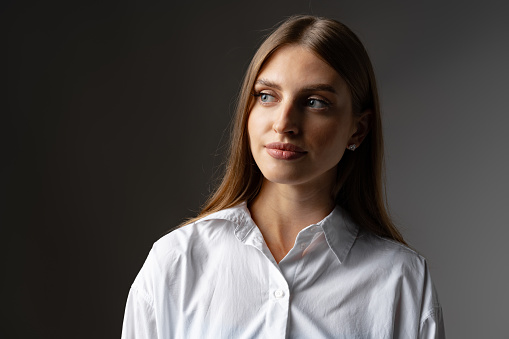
(216, 278)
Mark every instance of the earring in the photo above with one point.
(352, 147)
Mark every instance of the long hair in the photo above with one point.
(359, 187)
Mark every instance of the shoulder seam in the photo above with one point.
(430, 313)
(146, 298)
(400, 245)
(204, 219)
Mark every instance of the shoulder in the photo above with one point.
(391, 261)
(189, 247)
(171, 270)
(394, 265)
(388, 249)
(387, 258)
(201, 234)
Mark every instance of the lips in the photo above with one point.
(284, 151)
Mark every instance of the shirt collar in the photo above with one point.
(339, 229)
(240, 216)
(340, 232)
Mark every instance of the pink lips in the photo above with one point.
(284, 151)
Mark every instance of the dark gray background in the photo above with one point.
(118, 115)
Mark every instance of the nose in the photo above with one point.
(287, 119)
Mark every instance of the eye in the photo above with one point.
(265, 97)
(317, 103)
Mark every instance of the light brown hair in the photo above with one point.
(359, 187)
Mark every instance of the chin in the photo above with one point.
(294, 176)
(286, 178)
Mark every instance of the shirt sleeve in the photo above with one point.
(432, 326)
(139, 318)
(432, 322)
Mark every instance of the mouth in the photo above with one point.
(284, 151)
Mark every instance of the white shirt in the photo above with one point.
(216, 278)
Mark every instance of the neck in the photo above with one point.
(282, 211)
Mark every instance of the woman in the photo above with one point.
(296, 241)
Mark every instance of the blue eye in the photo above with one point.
(316, 103)
(264, 97)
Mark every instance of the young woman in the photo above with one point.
(296, 242)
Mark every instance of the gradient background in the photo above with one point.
(117, 120)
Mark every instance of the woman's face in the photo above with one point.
(301, 121)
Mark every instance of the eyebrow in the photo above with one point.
(267, 83)
(311, 88)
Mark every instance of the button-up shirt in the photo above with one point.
(216, 278)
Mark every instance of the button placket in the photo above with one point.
(279, 303)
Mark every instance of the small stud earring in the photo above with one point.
(352, 147)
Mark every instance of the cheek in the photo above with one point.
(331, 141)
(255, 126)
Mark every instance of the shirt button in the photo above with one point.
(302, 246)
(279, 294)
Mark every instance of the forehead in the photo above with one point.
(296, 66)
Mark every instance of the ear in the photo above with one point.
(362, 127)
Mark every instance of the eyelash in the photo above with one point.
(323, 102)
(257, 94)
